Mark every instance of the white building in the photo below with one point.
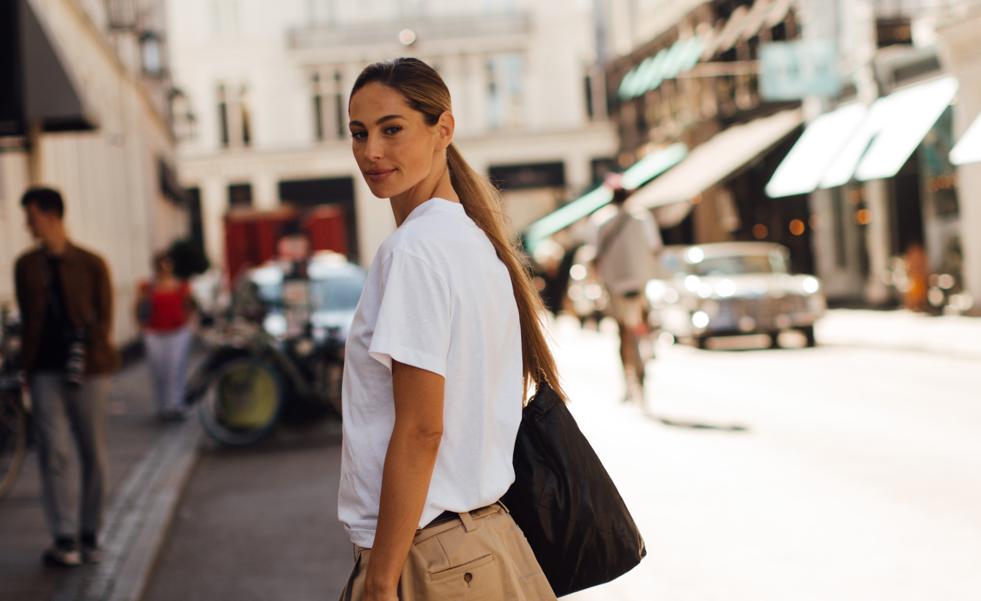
(961, 54)
(268, 83)
(83, 108)
(876, 166)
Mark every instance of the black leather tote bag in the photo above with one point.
(566, 504)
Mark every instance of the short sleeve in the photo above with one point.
(413, 324)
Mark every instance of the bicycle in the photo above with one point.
(14, 409)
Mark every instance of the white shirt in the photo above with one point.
(438, 298)
(629, 260)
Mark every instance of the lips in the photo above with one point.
(377, 175)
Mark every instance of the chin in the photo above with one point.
(384, 190)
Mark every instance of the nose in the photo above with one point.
(373, 148)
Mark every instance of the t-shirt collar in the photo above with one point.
(431, 205)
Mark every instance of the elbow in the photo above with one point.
(425, 436)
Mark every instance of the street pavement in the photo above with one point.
(848, 471)
(137, 444)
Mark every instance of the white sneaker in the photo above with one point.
(58, 557)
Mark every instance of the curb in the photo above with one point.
(138, 520)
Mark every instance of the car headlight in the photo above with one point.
(700, 319)
(811, 285)
(275, 325)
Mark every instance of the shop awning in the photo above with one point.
(893, 128)
(637, 175)
(51, 96)
(806, 163)
(907, 117)
(968, 148)
(718, 159)
(666, 64)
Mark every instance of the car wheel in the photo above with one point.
(774, 339)
(701, 342)
(808, 333)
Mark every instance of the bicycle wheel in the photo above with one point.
(243, 404)
(13, 439)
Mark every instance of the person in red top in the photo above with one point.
(164, 309)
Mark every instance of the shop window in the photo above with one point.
(239, 195)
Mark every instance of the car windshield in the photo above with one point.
(738, 265)
(337, 293)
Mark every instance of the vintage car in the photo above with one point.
(733, 288)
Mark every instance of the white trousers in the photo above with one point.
(167, 354)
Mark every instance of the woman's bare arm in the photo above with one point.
(408, 469)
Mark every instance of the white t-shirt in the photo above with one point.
(628, 260)
(438, 298)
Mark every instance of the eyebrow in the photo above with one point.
(379, 121)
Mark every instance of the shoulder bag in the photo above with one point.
(565, 502)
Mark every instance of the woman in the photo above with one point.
(164, 309)
(444, 344)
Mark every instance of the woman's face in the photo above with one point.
(393, 145)
(165, 267)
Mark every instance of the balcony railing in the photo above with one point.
(426, 29)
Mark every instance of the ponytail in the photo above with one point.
(482, 204)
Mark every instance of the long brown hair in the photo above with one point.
(425, 91)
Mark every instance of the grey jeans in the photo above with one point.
(62, 415)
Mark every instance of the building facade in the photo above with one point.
(869, 182)
(960, 53)
(692, 77)
(267, 89)
(886, 185)
(84, 108)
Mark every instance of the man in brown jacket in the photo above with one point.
(65, 299)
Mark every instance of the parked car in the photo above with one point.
(733, 288)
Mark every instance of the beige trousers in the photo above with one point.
(483, 556)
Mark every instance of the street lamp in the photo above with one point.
(151, 53)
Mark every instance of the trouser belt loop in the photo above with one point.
(468, 522)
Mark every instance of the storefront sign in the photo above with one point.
(793, 70)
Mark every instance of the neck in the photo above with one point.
(437, 186)
(56, 242)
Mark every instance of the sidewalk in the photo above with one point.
(143, 457)
(949, 335)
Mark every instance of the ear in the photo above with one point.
(445, 128)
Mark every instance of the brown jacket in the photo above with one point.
(88, 300)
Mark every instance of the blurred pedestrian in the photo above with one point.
(626, 258)
(444, 342)
(65, 299)
(917, 274)
(164, 309)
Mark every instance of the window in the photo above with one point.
(239, 195)
(504, 75)
(223, 116)
(330, 112)
(339, 108)
(318, 108)
(495, 107)
(245, 116)
(234, 116)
